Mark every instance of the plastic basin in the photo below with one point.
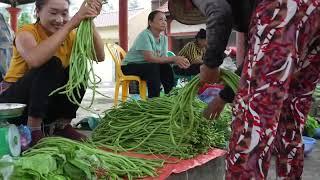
(309, 144)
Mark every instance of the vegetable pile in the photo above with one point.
(171, 125)
(59, 158)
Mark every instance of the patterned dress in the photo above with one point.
(280, 73)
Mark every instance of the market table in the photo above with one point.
(207, 166)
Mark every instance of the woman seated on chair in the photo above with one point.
(147, 58)
(193, 51)
(40, 64)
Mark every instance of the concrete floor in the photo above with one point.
(311, 163)
(311, 169)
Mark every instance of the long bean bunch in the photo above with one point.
(230, 78)
(81, 71)
(182, 115)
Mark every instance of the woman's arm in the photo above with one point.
(149, 57)
(98, 44)
(38, 54)
(219, 26)
(179, 60)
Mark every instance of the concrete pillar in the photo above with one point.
(123, 24)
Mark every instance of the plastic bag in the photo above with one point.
(209, 91)
(25, 136)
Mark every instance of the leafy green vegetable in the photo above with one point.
(41, 163)
(5, 164)
(57, 158)
(311, 126)
(74, 172)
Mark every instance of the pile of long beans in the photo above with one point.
(164, 125)
(58, 157)
(182, 115)
(171, 125)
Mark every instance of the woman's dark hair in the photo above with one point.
(41, 3)
(202, 34)
(152, 15)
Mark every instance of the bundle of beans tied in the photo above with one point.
(171, 125)
(60, 158)
(82, 58)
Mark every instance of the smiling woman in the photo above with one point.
(40, 64)
(54, 15)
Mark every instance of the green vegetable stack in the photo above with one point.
(59, 158)
(171, 125)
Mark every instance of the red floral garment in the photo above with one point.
(279, 76)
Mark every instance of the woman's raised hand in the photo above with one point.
(88, 9)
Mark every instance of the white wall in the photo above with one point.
(137, 24)
(177, 27)
(105, 70)
(109, 33)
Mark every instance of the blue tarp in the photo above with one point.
(6, 39)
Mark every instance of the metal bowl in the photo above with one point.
(11, 110)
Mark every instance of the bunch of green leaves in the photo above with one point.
(56, 158)
(311, 125)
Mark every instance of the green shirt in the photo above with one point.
(146, 42)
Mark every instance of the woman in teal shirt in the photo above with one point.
(147, 58)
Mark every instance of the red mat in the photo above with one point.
(186, 164)
(175, 165)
